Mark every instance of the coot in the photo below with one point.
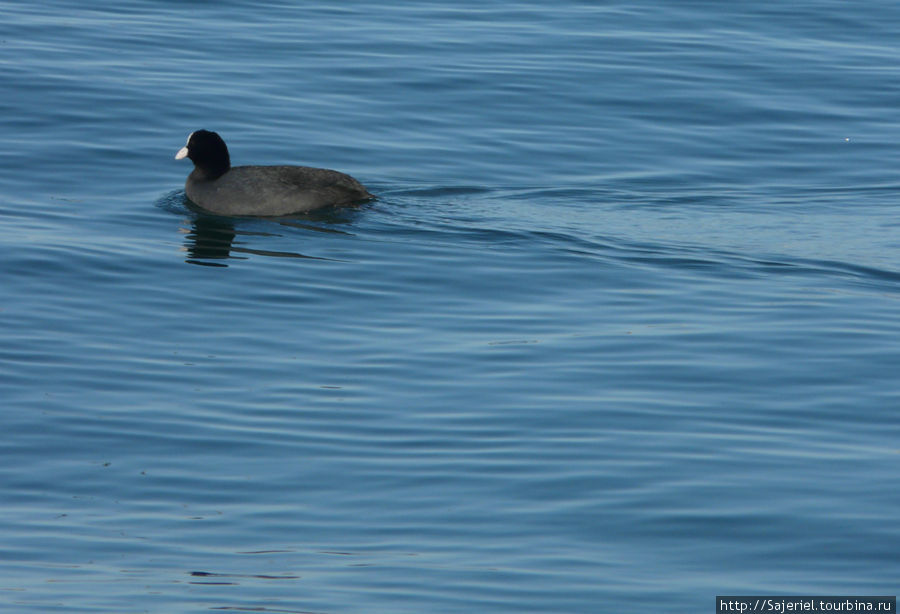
(216, 186)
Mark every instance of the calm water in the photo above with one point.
(621, 332)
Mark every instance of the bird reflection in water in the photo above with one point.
(211, 240)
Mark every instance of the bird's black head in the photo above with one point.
(208, 152)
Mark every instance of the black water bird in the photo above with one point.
(216, 186)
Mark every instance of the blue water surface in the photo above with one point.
(619, 334)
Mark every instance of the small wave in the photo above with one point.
(174, 202)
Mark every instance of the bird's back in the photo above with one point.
(274, 190)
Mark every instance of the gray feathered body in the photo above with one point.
(273, 190)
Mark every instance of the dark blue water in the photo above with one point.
(620, 333)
